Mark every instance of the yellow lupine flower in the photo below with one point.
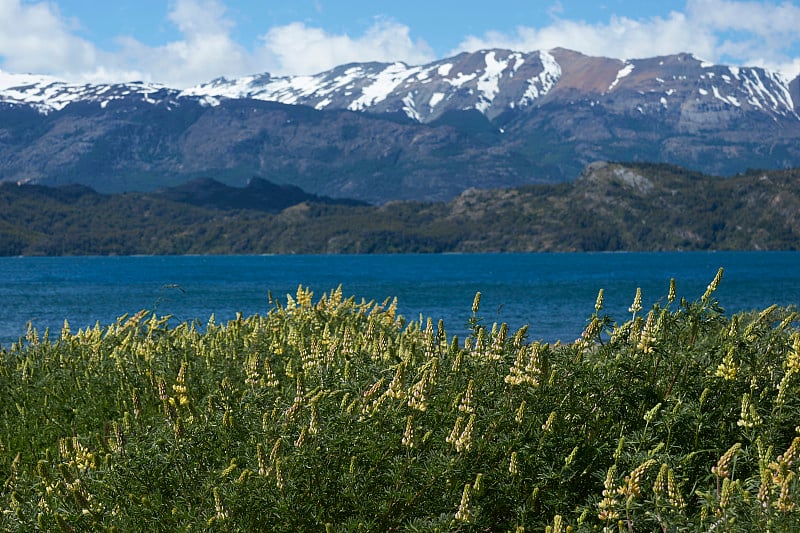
(793, 357)
(785, 503)
(728, 368)
(549, 422)
(632, 486)
(712, 286)
(791, 454)
(464, 441)
(397, 383)
(465, 405)
(262, 461)
(660, 484)
(520, 412)
(417, 397)
(455, 432)
(408, 434)
(646, 336)
(465, 512)
(476, 303)
(304, 297)
(722, 469)
(673, 493)
(749, 417)
(180, 386)
(558, 525)
(728, 488)
(636, 306)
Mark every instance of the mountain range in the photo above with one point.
(377, 132)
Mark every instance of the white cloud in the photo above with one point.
(36, 38)
(758, 33)
(206, 49)
(621, 37)
(200, 17)
(300, 49)
(742, 33)
(760, 18)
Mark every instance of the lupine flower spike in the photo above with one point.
(636, 306)
(712, 286)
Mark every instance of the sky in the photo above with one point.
(181, 43)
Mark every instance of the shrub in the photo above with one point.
(339, 415)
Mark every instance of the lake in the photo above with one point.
(552, 293)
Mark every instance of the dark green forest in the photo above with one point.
(611, 207)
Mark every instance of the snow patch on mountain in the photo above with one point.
(209, 101)
(623, 72)
(436, 98)
(776, 98)
(727, 99)
(461, 79)
(489, 83)
(47, 94)
(383, 85)
(410, 107)
(540, 85)
(444, 70)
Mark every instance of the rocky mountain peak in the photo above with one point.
(384, 131)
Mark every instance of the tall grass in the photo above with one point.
(338, 415)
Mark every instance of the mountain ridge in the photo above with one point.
(258, 194)
(526, 79)
(378, 132)
(610, 207)
(480, 73)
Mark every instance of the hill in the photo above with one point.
(258, 194)
(610, 206)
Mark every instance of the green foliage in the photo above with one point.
(339, 415)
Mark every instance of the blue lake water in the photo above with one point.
(552, 293)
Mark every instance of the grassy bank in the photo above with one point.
(334, 414)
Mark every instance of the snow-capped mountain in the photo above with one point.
(490, 81)
(47, 94)
(496, 81)
(382, 131)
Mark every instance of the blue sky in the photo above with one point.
(442, 24)
(185, 42)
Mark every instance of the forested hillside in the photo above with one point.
(610, 207)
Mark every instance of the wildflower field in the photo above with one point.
(334, 414)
